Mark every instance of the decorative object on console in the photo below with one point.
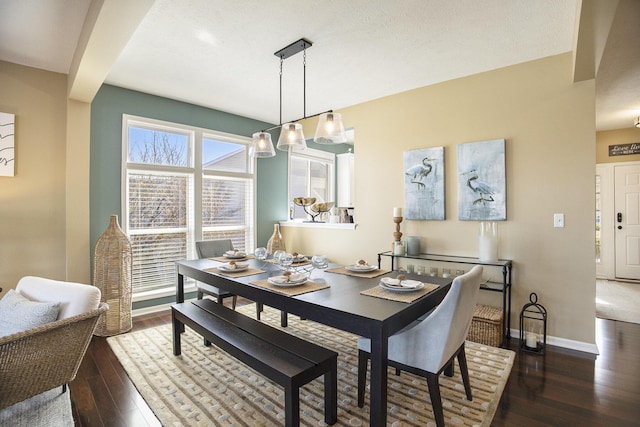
(413, 245)
(482, 181)
(330, 129)
(488, 241)
(113, 265)
(533, 326)
(398, 246)
(275, 241)
(424, 183)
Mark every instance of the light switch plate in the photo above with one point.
(558, 220)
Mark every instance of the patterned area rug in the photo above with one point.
(204, 386)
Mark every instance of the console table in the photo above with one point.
(504, 287)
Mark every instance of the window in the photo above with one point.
(311, 174)
(180, 185)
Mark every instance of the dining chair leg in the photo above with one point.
(234, 301)
(363, 361)
(462, 361)
(259, 308)
(199, 295)
(436, 400)
(449, 369)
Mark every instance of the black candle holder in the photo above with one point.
(533, 315)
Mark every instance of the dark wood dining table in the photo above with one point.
(341, 305)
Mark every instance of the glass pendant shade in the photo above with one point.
(262, 146)
(330, 129)
(291, 136)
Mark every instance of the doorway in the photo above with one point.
(618, 221)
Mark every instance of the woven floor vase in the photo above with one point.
(112, 265)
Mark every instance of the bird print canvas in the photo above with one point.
(482, 181)
(424, 184)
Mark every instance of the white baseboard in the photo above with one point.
(585, 347)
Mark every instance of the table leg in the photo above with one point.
(180, 289)
(180, 297)
(178, 327)
(378, 394)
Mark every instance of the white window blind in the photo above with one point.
(182, 185)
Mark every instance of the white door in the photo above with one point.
(627, 221)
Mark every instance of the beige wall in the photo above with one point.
(33, 201)
(548, 124)
(547, 121)
(612, 137)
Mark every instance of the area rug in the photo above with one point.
(204, 386)
(49, 409)
(618, 301)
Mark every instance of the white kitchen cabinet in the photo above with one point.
(346, 180)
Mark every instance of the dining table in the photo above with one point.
(342, 301)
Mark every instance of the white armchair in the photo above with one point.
(43, 357)
(427, 347)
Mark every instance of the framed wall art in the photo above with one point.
(7, 144)
(424, 184)
(482, 181)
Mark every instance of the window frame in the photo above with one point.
(313, 155)
(196, 173)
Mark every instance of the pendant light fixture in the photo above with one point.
(330, 129)
(262, 146)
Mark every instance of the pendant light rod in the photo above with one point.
(296, 120)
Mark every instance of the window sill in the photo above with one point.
(325, 225)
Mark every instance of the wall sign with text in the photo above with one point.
(624, 149)
(7, 135)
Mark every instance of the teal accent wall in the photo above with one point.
(112, 102)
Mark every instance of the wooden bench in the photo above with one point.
(287, 360)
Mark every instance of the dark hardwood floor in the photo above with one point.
(561, 388)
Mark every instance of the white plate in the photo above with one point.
(294, 280)
(234, 255)
(228, 269)
(406, 285)
(300, 258)
(359, 268)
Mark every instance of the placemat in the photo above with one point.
(408, 297)
(247, 272)
(225, 259)
(369, 274)
(294, 290)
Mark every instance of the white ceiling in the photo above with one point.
(219, 54)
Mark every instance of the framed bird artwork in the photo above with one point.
(482, 181)
(424, 184)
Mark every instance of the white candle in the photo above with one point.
(397, 212)
(488, 250)
(531, 341)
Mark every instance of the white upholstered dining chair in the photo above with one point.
(428, 347)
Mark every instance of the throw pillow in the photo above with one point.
(18, 313)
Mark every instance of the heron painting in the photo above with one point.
(424, 184)
(482, 181)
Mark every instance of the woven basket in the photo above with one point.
(486, 326)
(112, 266)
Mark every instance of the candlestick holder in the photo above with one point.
(397, 235)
